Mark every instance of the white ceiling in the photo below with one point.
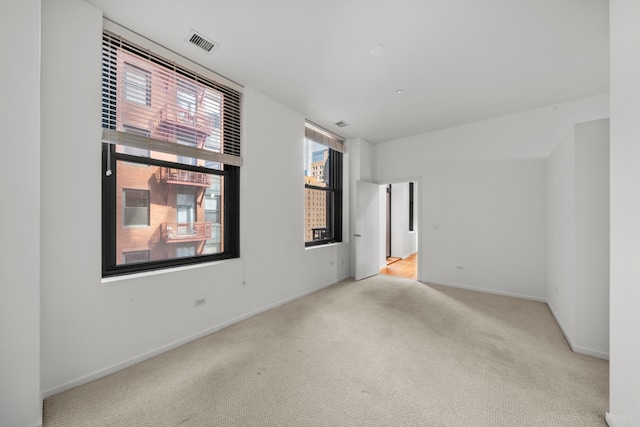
(456, 61)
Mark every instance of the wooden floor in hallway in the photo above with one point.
(406, 268)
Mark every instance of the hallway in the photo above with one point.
(406, 268)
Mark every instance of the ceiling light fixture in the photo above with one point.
(377, 50)
(399, 92)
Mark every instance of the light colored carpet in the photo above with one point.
(381, 352)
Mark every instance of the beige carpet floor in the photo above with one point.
(380, 352)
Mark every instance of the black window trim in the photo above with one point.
(335, 187)
(230, 228)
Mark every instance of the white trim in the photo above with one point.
(417, 219)
(617, 421)
(486, 291)
(142, 357)
(576, 348)
(168, 54)
(567, 337)
(591, 352)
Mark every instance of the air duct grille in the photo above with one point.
(202, 42)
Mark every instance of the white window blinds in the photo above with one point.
(321, 136)
(179, 111)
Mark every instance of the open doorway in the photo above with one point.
(400, 230)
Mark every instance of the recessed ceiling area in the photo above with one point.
(456, 61)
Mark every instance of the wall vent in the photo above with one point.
(341, 124)
(202, 42)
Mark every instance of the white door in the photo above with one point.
(367, 229)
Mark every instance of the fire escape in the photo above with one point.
(173, 123)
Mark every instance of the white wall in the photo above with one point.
(578, 237)
(20, 401)
(483, 196)
(625, 211)
(592, 238)
(561, 234)
(91, 328)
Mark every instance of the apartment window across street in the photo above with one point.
(136, 207)
(137, 84)
(323, 186)
(172, 158)
(135, 256)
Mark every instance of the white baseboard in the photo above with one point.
(348, 276)
(142, 357)
(591, 352)
(576, 348)
(567, 337)
(618, 420)
(487, 291)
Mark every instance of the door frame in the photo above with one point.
(418, 215)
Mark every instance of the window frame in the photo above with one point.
(224, 162)
(334, 188)
(230, 225)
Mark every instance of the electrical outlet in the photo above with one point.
(200, 301)
(436, 227)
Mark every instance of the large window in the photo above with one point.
(323, 186)
(171, 150)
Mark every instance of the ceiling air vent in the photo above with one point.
(341, 124)
(201, 42)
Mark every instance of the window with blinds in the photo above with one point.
(171, 148)
(323, 185)
(176, 106)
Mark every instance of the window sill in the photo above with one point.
(123, 277)
(308, 248)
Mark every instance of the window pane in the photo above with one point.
(316, 164)
(133, 150)
(169, 212)
(318, 214)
